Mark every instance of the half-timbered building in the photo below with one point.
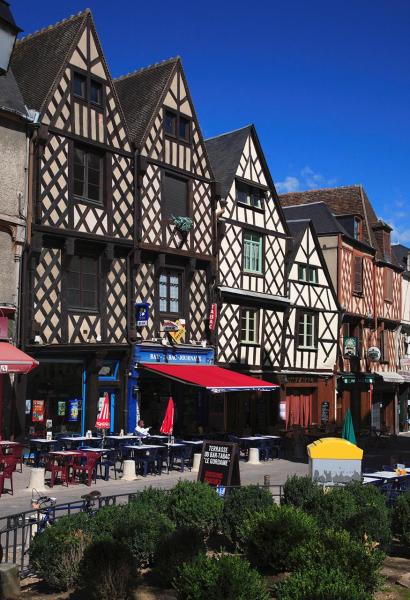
(311, 332)
(81, 219)
(368, 285)
(252, 242)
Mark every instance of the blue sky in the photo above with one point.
(326, 82)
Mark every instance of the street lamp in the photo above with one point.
(8, 34)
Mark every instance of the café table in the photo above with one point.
(193, 442)
(272, 437)
(370, 480)
(39, 446)
(386, 475)
(75, 440)
(159, 437)
(8, 443)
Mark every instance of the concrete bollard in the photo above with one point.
(37, 479)
(128, 473)
(9, 582)
(253, 458)
(196, 463)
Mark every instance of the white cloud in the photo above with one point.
(290, 184)
(307, 178)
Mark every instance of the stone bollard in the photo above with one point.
(9, 582)
(253, 458)
(37, 479)
(266, 481)
(196, 463)
(128, 473)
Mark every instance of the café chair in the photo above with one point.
(162, 457)
(109, 461)
(147, 459)
(183, 455)
(87, 467)
(58, 467)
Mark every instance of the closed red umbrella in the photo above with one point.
(103, 419)
(168, 422)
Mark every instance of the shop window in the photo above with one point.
(176, 196)
(252, 252)
(306, 330)
(357, 280)
(307, 274)
(88, 174)
(170, 293)
(82, 283)
(388, 285)
(250, 195)
(249, 326)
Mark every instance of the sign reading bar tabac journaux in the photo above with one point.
(219, 465)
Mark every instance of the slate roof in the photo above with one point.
(11, 99)
(140, 94)
(319, 213)
(38, 58)
(401, 252)
(297, 230)
(225, 152)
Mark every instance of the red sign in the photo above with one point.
(38, 410)
(212, 317)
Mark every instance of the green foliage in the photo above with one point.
(181, 546)
(183, 224)
(301, 492)
(271, 538)
(107, 570)
(223, 578)
(56, 553)
(401, 518)
(196, 505)
(154, 498)
(141, 529)
(320, 583)
(106, 520)
(239, 505)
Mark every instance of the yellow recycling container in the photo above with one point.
(334, 461)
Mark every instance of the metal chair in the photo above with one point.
(108, 461)
(184, 455)
(146, 459)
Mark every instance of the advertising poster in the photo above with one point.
(37, 415)
(61, 408)
(73, 410)
(28, 407)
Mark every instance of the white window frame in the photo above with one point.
(249, 335)
(252, 257)
(305, 273)
(308, 322)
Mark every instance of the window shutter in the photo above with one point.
(176, 197)
(388, 284)
(358, 274)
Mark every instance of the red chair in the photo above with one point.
(87, 467)
(58, 467)
(9, 466)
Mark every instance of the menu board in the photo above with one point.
(219, 465)
(325, 412)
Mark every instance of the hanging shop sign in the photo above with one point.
(37, 415)
(73, 410)
(350, 346)
(213, 315)
(142, 313)
(179, 335)
(219, 465)
(169, 326)
(353, 379)
(374, 354)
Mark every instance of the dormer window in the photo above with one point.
(175, 125)
(250, 195)
(357, 228)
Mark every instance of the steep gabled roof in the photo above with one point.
(11, 99)
(140, 94)
(401, 253)
(320, 215)
(225, 152)
(39, 57)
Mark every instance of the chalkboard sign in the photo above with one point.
(325, 412)
(219, 465)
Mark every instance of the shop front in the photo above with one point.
(355, 391)
(307, 400)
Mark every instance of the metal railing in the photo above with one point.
(18, 530)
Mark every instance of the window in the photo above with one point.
(95, 92)
(88, 174)
(306, 331)
(170, 292)
(82, 283)
(247, 194)
(176, 196)
(307, 273)
(252, 252)
(384, 346)
(388, 285)
(357, 228)
(177, 126)
(249, 326)
(80, 86)
(357, 281)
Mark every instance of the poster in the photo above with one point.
(73, 410)
(61, 408)
(28, 407)
(37, 415)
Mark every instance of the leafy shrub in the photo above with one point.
(107, 570)
(223, 578)
(56, 553)
(336, 550)
(141, 529)
(181, 546)
(401, 517)
(272, 537)
(105, 521)
(301, 492)
(240, 504)
(154, 498)
(319, 583)
(196, 505)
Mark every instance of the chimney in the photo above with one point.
(382, 232)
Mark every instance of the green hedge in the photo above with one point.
(194, 504)
(401, 518)
(180, 546)
(239, 505)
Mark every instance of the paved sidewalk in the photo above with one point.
(278, 470)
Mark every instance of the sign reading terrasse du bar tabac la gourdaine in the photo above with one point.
(219, 464)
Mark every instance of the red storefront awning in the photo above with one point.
(13, 360)
(214, 379)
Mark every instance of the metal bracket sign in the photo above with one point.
(350, 347)
(219, 465)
